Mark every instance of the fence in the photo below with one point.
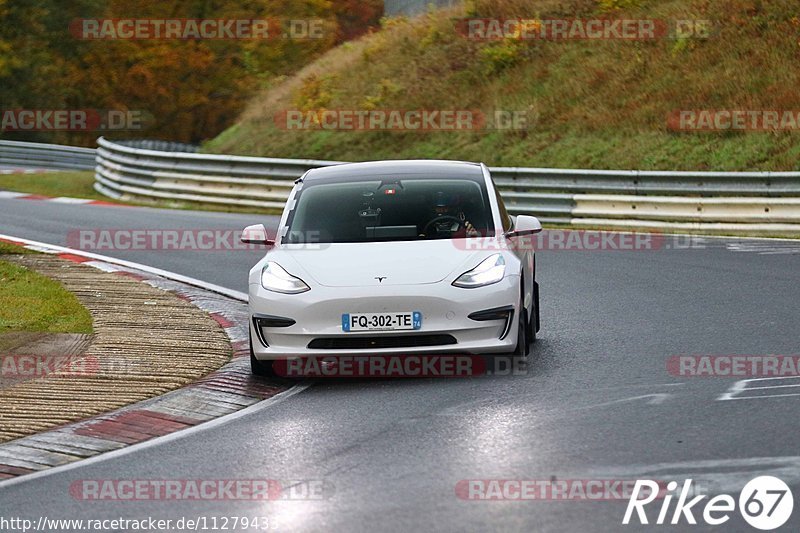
(721, 202)
(729, 202)
(45, 156)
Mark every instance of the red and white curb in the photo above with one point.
(13, 195)
(218, 395)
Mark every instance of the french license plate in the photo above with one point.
(381, 321)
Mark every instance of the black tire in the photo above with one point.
(523, 326)
(533, 324)
(260, 368)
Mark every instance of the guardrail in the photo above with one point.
(717, 202)
(16, 154)
(725, 202)
(393, 8)
(210, 179)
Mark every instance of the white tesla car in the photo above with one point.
(393, 257)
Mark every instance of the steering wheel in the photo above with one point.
(442, 219)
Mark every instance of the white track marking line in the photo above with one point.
(741, 387)
(734, 389)
(772, 387)
(655, 399)
(762, 397)
(68, 200)
(236, 295)
(718, 476)
(156, 441)
(643, 385)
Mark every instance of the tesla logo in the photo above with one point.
(380, 278)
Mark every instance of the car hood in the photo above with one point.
(361, 264)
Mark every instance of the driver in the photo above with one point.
(447, 208)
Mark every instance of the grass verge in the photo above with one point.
(80, 184)
(32, 302)
(73, 184)
(601, 104)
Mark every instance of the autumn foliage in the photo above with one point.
(188, 90)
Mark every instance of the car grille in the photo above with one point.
(386, 341)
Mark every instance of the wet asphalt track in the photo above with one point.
(596, 401)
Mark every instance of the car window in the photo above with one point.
(390, 209)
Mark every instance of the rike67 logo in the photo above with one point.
(765, 503)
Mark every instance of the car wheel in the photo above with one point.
(260, 368)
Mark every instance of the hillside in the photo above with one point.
(590, 103)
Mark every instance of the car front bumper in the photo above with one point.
(317, 315)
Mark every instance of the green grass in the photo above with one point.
(591, 104)
(8, 248)
(32, 302)
(71, 184)
(80, 185)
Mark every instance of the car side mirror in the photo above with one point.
(256, 234)
(525, 225)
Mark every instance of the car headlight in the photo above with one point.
(275, 278)
(490, 270)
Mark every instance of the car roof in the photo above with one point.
(372, 169)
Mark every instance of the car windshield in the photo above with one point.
(390, 209)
